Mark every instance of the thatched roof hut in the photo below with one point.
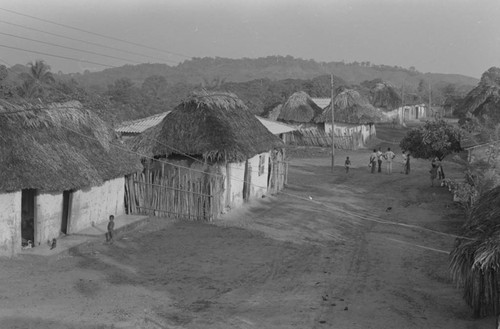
(57, 147)
(484, 100)
(350, 107)
(299, 108)
(475, 260)
(215, 126)
(381, 94)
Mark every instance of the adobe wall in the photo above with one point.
(235, 175)
(258, 180)
(10, 223)
(48, 216)
(96, 204)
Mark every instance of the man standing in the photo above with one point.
(373, 161)
(379, 159)
(389, 155)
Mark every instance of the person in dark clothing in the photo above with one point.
(407, 165)
(111, 228)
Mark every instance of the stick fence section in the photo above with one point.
(181, 193)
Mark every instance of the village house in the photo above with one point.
(210, 154)
(62, 170)
(480, 147)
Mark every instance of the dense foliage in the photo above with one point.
(434, 139)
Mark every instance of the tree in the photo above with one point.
(434, 139)
(154, 86)
(121, 91)
(40, 72)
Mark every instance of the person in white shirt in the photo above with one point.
(389, 156)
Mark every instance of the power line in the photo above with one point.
(58, 56)
(96, 34)
(71, 48)
(86, 42)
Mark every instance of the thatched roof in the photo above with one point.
(382, 94)
(475, 260)
(350, 107)
(58, 147)
(484, 100)
(216, 126)
(299, 108)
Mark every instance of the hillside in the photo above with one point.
(198, 70)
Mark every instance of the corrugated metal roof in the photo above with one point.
(274, 127)
(321, 102)
(139, 125)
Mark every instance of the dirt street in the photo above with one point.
(333, 251)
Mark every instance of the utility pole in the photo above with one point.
(403, 102)
(430, 108)
(333, 125)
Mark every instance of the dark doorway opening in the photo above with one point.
(66, 211)
(28, 217)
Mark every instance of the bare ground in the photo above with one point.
(327, 253)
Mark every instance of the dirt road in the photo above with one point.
(333, 251)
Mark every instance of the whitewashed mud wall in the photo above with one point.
(10, 224)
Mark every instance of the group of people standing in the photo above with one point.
(378, 157)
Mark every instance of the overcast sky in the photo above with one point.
(448, 36)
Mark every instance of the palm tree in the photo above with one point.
(40, 71)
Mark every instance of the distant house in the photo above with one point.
(408, 113)
(352, 135)
(61, 171)
(211, 154)
(480, 147)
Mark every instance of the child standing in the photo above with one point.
(111, 227)
(433, 173)
(347, 165)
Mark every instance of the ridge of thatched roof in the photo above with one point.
(299, 108)
(57, 147)
(475, 259)
(216, 126)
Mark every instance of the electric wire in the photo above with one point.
(96, 34)
(57, 56)
(86, 42)
(71, 48)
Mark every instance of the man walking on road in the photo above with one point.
(389, 155)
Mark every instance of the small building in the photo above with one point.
(62, 170)
(210, 154)
(480, 147)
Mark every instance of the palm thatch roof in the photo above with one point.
(57, 147)
(299, 108)
(484, 100)
(216, 126)
(475, 259)
(350, 107)
(382, 94)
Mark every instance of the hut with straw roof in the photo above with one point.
(475, 259)
(61, 170)
(299, 109)
(209, 154)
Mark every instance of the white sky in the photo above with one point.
(441, 36)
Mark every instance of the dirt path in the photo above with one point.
(321, 255)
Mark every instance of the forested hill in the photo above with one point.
(198, 71)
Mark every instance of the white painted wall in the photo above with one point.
(48, 216)
(235, 175)
(258, 185)
(10, 224)
(96, 204)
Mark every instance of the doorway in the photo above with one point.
(66, 211)
(28, 217)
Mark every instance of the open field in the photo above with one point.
(332, 251)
